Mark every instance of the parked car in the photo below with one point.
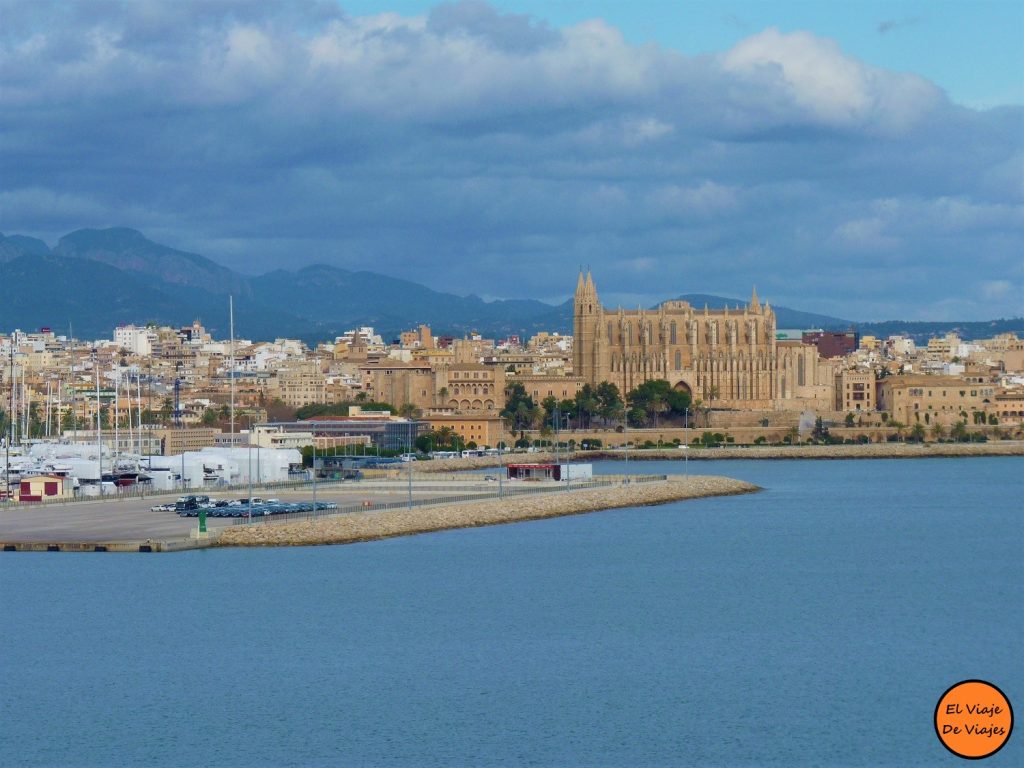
(162, 508)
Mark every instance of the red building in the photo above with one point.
(833, 343)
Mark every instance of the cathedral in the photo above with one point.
(728, 358)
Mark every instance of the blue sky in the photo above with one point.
(860, 159)
(972, 49)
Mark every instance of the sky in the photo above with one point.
(860, 159)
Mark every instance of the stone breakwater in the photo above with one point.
(347, 529)
(865, 451)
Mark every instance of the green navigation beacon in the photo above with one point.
(202, 520)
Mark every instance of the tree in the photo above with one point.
(586, 405)
(849, 419)
(917, 433)
(409, 411)
(820, 430)
(959, 431)
(610, 406)
(549, 404)
(520, 410)
(656, 398)
(209, 417)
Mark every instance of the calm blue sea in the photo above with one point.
(816, 623)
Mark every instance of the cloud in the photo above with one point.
(814, 75)
(480, 151)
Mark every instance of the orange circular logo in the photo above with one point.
(973, 719)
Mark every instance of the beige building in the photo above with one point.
(300, 383)
(482, 429)
(472, 387)
(541, 387)
(931, 400)
(176, 440)
(855, 391)
(399, 383)
(1008, 408)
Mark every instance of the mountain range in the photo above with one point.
(96, 279)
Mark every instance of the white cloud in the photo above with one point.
(831, 86)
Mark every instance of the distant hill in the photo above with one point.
(13, 246)
(129, 250)
(97, 279)
(94, 298)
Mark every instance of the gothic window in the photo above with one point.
(609, 332)
(629, 333)
(800, 371)
(672, 333)
(679, 358)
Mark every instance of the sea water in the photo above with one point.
(815, 623)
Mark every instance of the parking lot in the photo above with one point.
(104, 520)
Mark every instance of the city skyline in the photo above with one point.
(443, 144)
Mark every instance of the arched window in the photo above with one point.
(800, 371)
(672, 333)
(609, 332)
(679, 358)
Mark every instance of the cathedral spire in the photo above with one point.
(579, 284)
(754, 303)
(590, 284)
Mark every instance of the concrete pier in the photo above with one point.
(347, 529)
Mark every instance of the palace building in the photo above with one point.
(729, 358)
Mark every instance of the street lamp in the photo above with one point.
(250, 468)
(686, 441)
(408, 451)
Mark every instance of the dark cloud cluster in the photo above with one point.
(491, 153)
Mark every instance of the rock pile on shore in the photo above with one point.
(344, 529)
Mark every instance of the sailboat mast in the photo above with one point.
(231, 369)
(99, 432)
